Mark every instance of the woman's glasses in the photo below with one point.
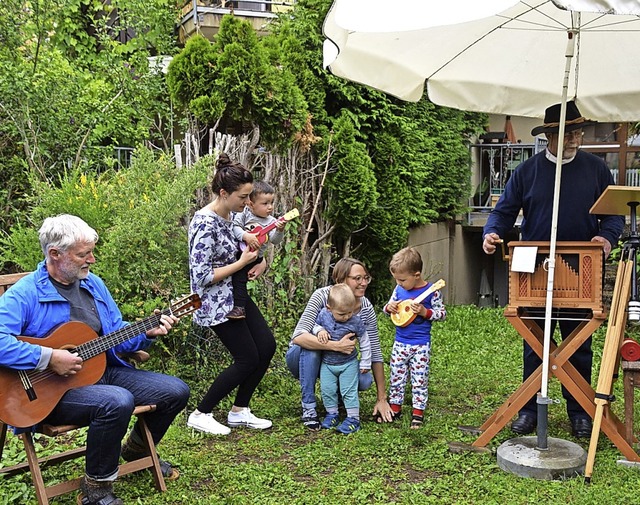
(361, 279)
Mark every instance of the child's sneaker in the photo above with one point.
(205, 422)
(330, 421)
(246, 418)
(310, 419)
(237, 313)
(349, 425)
(416, 421)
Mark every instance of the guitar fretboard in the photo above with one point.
(101, 344)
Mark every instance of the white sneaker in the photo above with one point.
(246, 418)
(205, 422)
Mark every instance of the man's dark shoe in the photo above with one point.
(93, 492)
(524, 425)
(581, 427)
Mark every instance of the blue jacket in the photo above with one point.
(33, 308)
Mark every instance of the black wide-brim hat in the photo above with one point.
(573, 121)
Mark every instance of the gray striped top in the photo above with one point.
(318, 301)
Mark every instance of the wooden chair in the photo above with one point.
(8, 280)
(34, 464)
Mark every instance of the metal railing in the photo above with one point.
(494, 165)
(244, 5)
(632, 177)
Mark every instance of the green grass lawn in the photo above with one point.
(476, 365)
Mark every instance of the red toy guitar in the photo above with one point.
(262, 232)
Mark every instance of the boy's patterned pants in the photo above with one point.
(412, 359)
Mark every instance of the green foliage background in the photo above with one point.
(231, 80)
(396, 164)
(72, 88)
(139, 214)
(75, 81)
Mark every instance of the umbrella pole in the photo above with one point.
(543, 399)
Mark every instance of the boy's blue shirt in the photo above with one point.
(418, 332)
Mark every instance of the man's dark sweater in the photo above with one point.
(530, 188)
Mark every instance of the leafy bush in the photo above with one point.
(140, 215)
(232, 80)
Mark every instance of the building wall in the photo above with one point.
(450, 253)
(522, 126)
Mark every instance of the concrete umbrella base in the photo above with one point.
(562, 459)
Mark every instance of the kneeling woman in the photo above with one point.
(305, 350)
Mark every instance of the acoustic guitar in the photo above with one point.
(405, 315)
(27, 397)
(262, 232)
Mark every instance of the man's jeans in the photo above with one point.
(582, 360)
(106, 408)
(304, 365)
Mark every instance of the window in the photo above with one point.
(617, 147)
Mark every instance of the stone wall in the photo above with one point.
(452, 254)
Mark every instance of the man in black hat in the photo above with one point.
(531, 188)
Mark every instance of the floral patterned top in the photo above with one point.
(211, 245)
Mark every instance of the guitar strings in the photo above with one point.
(101, 344)
(24, 378)
(98, 345)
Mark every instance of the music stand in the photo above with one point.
(616, 200)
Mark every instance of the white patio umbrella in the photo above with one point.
(496, 56)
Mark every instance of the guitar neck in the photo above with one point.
(268, 228)
(423, 295)
(101, 344)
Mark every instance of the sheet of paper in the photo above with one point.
(524, 259)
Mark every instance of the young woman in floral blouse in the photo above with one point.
(213, 259)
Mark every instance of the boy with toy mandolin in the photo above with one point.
(413, 306)
(254, 227)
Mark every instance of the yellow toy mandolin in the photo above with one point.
(405, 315)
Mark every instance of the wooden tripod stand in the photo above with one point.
(615, 200)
